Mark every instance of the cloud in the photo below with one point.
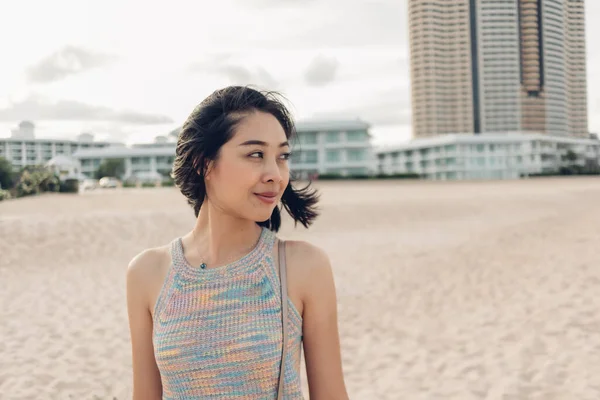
(380, 108)
(69, 60)
(261, 4)
(36, 108)
(240, 75)
(321, 71)
(175, 132)
(109, 131)
(236, 73)
(389, 107)
(326, 24)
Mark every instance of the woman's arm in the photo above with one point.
(146, 377)
(320, 326)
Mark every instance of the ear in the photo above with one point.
(208, 170)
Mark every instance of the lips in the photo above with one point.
(267, 197)
(267, 194)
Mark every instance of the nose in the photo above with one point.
(272, 172)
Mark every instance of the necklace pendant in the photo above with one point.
(203, 266)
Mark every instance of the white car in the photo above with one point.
(108, 182)
(88, 184)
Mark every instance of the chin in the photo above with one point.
(262, 216)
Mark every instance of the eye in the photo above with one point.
(256, 154)
(286, 156)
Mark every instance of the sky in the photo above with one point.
(130, 70)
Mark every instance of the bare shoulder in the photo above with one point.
(309, 257)
(148, 261)
(309, 267)
(146, 272)
(319, 321)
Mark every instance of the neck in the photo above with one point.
(219, 238)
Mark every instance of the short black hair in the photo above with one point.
(210, 125)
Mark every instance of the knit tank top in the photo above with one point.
(217, 332)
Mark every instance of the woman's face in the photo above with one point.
(251, 171)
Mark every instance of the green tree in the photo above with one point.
(35, 179)
(571, 156)
(113, 167)
(27, 184)
(570, 166)
(7, 176)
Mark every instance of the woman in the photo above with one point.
(205, 311)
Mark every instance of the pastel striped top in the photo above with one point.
(217, 332)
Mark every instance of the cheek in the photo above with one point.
(285, 174)
(235, 176)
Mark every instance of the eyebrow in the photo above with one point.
(261, 143)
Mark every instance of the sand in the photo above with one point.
(482, 290)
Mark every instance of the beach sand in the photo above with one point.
(480, 290)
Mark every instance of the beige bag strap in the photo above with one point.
(284, 308)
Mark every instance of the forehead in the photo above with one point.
(259, 126)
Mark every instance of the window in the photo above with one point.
(357, 171)
(164, 160)
(332, 137)
(356, 155)
(311, 156)
(308, 137)
(296, 157)
(140, 161)
(356, 136)
(333, 156)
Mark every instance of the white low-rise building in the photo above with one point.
(141, 162)
(23, 148)
(487, 156)
(320, 147)
(340, 147)
(65, 167)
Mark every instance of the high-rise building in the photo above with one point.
(441, 77)
(576, 72)
(490, 66)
